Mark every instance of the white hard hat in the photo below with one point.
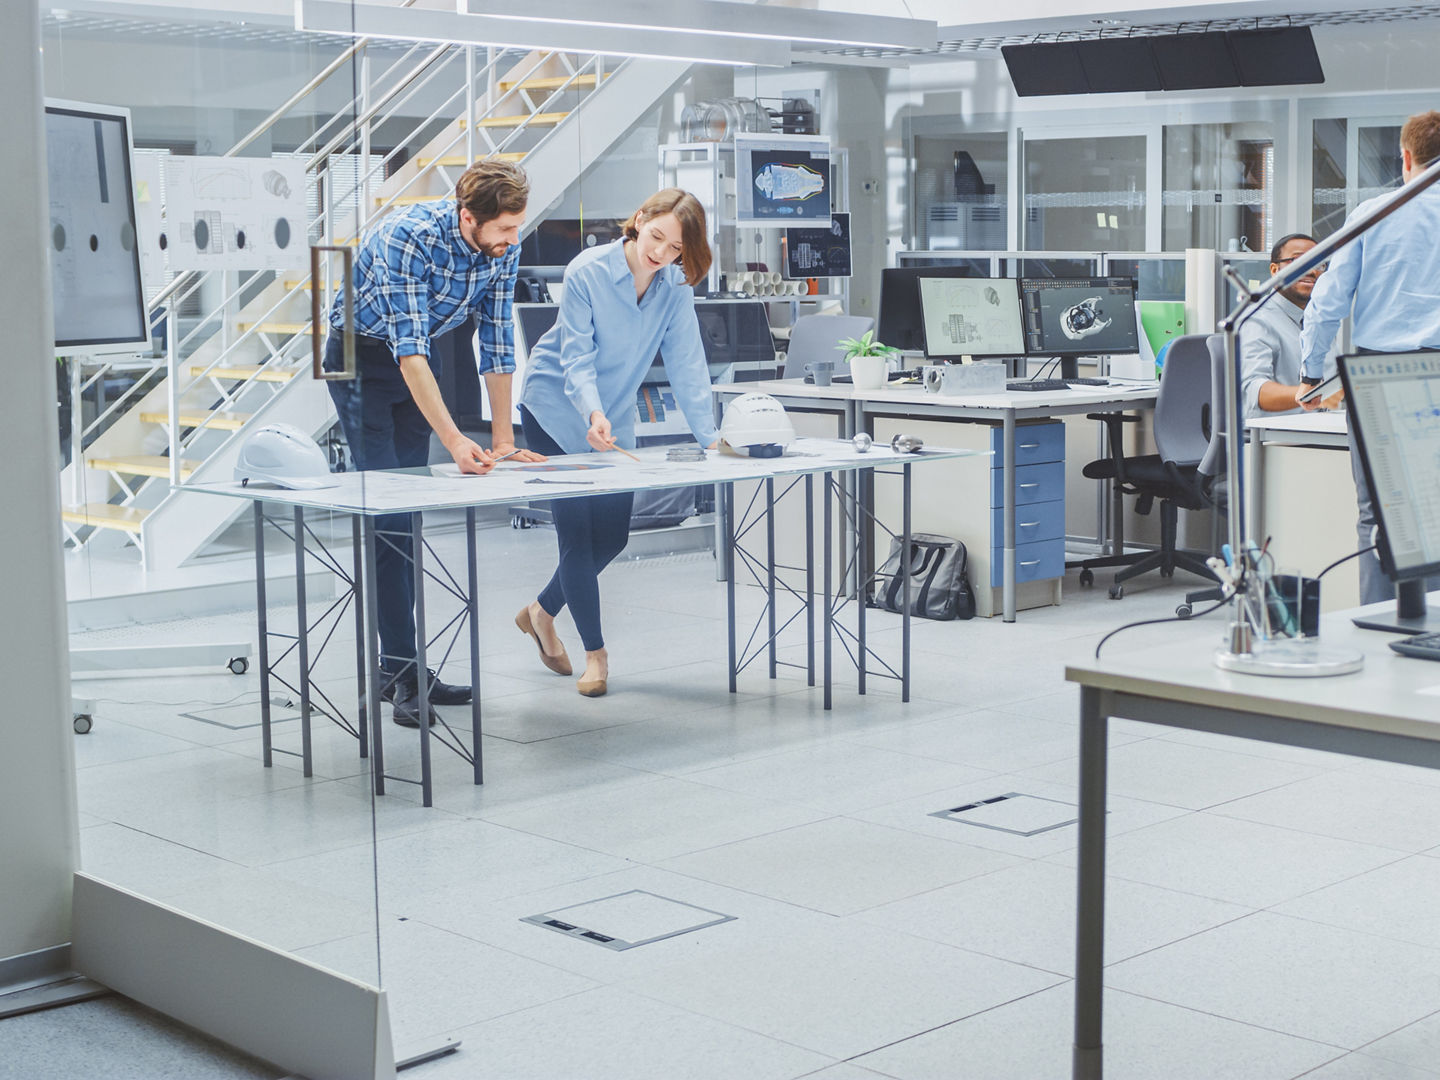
(283, 455)
(756, 425)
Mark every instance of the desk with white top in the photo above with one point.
(1302, 494)
(1026, 473)
(1387, 712)
(364, 496)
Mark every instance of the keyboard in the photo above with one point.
(1087, 382)
(1037, 384)
(1425, 646)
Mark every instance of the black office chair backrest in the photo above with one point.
(1182, 410)
(1213, 463)
(814, 337)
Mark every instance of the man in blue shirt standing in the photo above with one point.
(1391, 275)
(424, 271)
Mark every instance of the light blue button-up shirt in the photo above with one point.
(1392, 276)
(597, 353)
(1270, 352)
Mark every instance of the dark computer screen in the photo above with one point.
(1394, 404)
(555, 241)
(734, 332)
(902, 324)
(971, 317)
(1079, 316)
(533, 321)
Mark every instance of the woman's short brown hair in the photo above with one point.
(491, 188)
(1421, 136)
(694, 243)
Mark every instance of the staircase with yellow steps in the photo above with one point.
(105, 516)
(215, 421)
(141, 465)
(551, 82)
(539, 119)
(240, 372)
(277, 329)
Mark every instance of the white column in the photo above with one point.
(39, 839)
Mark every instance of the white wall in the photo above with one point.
(39, 840)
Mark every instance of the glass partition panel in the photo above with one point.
(959, 184)
(1157, 277)
(1219, 186)
(224, 753)
(1085, 194)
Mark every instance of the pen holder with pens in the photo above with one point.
(1292, 603)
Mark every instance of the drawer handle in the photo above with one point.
(1036, 484)
(1028, 524)
(1029, 445)
(1032, 562)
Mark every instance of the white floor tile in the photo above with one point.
(1026, 913)
(838, 776)
(611, 1034)
(659, 820)
(1192, 777)
(839, 866)
(1395, 901)
(1030, 1039)
(1416, 1045)
(1364, 807)
(829, 989)
(1364, 1067)
(1238, 861)
(1317, 982)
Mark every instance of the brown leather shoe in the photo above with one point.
(591, 687)
(558, 664)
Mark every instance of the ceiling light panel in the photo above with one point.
(722, 18)
(454, 28)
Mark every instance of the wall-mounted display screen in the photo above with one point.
(819, 252)
(971, 317)
(99, 298)
(781, 179)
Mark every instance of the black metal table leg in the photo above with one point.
(357, 593)
(474, 602)
(302, 620)
(422, 673)
(372, 659)
(263, 622)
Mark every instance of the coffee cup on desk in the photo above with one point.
(821, 371)
(934, 378)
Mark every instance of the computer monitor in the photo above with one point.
(1071, 317)
(901, 324)
(971, 317)
(736, 335)
(1393, 400)
(782, 179)
(98, 295)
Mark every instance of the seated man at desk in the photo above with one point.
(1270, 341)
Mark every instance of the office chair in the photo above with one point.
(1183, 436)
(1212, 465)
(814, 337)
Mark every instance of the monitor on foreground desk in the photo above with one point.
(1394, 406)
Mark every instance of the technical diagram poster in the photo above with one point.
(781, 179)
(819, 252)
(235, 213)
(971, 317)
(145, 170)
(94, 269)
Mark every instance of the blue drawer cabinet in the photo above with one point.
(1039, 503)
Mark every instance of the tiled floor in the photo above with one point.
(1271, 912)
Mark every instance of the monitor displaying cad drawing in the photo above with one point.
(1079, 316)
(1394, 405)
(971, 317)
(782, 179)
(817, 253)
(99, 298)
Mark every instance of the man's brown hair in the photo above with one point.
(1421, 136)
(694, 244)
(491, 188)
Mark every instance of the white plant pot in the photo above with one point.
(869, 372)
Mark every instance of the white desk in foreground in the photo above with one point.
(1389, 711)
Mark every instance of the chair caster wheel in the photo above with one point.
(1117, 592)
(83, 723)
(1183, 611)
(1087, 578)
(238, 665)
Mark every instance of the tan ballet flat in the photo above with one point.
(591, 687)
(558, 664)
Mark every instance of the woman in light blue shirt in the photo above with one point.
(622, 304)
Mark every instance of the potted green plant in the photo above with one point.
(869, 360)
